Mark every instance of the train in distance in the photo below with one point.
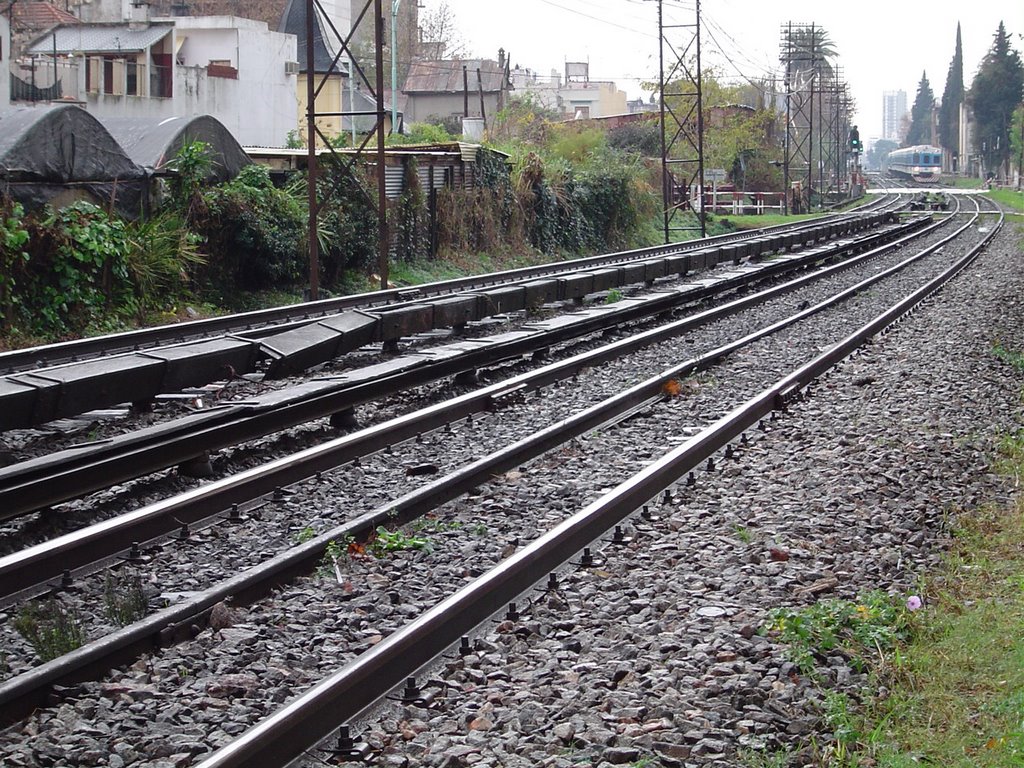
(922, 163)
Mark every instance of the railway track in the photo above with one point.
(260, 323)
(566, 418)
(57, 477)
(40, 395)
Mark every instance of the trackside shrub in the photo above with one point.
(253, 232)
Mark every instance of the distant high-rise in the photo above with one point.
(894, 107)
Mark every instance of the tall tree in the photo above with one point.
(439, 34)
(952, 98)
(921, 114)
(996, 91)
(808, 50)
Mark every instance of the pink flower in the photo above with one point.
(914, 603)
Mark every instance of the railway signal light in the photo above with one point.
(855, 145)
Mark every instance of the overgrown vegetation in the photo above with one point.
(855, 629)
(540, 190)
(50, 628)
(123, 598)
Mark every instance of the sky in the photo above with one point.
(882, 46)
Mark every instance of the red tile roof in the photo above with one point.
(39, 16)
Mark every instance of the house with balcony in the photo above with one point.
(237, 70)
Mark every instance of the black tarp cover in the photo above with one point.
(53, 150)
(153, 142)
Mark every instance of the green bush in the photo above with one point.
(643, 138)
(13, 256)
(254, 233)
(76, 273)
(349, 214)
(162, 255)
(422, 133)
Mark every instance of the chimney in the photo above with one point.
(139, 18)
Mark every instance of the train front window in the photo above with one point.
(916, 159)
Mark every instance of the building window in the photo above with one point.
(108, 75)
(132, 78)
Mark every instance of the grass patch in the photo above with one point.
(1012, 200)
(961, 182)
(958, 693)
(953, 671)
(769, 219)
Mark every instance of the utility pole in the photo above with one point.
(394, 64)
(682, 125)
(344, 165)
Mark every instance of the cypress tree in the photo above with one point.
(996, 91)
(952, 98)
(921, 114)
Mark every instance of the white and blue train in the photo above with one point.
(922, 163)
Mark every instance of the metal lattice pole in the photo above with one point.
(345, 165)
(682, 125)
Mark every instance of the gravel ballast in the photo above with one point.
(649, 655)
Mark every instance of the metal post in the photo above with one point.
(810, 126)
(700, 134)
(382, 198)
(352, 100)
(311, 234)
(685, 114)
(666, 192)
(480, 90)
(394, 64)
(786, 147)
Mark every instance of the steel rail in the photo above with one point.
(258, 323)
(20, 695)
(26, 569)
(37, 483)
(317, 713)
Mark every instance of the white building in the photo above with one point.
(894, 107)
(576, 97)
(236, 70)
